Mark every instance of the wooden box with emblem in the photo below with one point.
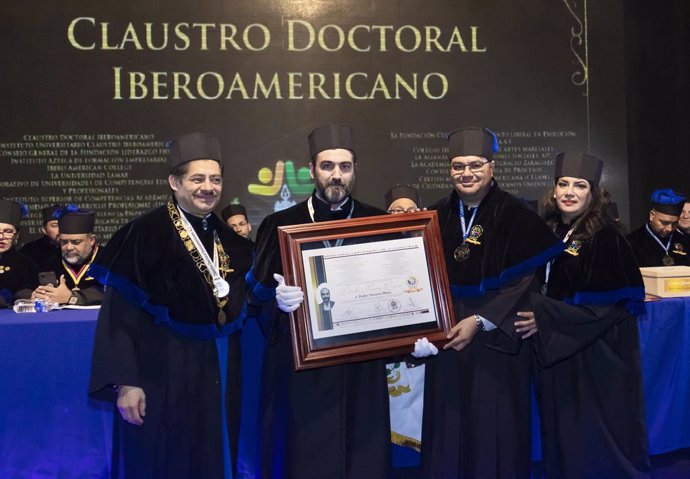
(666, 281)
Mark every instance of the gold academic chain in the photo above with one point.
(223, 258)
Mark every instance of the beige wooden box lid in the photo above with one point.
(666, 271)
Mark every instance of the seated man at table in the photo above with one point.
(78, 250)
(45, 251)
(656, 243)
(18, 275)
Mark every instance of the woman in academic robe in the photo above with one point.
(589, 381)
(18, 274)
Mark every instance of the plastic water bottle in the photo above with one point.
(44, 305)
(33, 306)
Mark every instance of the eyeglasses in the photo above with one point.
(475, 166)
(8, 233)
(395, 211)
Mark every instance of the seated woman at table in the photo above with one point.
(589, 382)
(18, 274)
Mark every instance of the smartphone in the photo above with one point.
(47, 277)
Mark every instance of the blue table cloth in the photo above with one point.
(48, 426)
(665, 342)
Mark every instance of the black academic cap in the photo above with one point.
(472, 141)
(232, 210)
(402, 191)
(12, 212)
(578, 165)
(48, 213)
(668, 202)
(193, 146)
(329, 137)
(74, 221)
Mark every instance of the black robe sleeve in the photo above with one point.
(114, 360)
(566, 329)
(500, 307)
(18, 279)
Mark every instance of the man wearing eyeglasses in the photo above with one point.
(402, 199)
(78, 248)
(477, 401)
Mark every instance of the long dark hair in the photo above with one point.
(589, 222)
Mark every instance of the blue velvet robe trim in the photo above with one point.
(509, 274)
(160, 313)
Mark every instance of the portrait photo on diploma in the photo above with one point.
(372, 287)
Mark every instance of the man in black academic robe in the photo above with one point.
(330, 422)
(45, 251)
(18, 274)
(166, 346)
(78, 251)
(477, 395)
(657, 243)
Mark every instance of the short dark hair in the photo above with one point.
(180, 170)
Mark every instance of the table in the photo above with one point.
(665, 342)
(49, 429)
(48, 426)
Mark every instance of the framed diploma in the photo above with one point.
(372, 286)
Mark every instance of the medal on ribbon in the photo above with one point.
(214, 270)
(667, 260)
(462, 252)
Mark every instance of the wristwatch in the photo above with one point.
(479, 322)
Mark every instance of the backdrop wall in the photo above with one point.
(93, 90)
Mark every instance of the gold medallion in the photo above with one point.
(461, 253)
(221, 317)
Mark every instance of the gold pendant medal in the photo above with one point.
(461, 253)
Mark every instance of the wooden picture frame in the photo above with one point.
(390, 274)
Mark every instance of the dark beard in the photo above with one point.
(333, 193)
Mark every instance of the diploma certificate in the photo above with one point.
(369, 286)
(372, 286)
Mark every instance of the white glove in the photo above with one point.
(288, 297)
(423, 348)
